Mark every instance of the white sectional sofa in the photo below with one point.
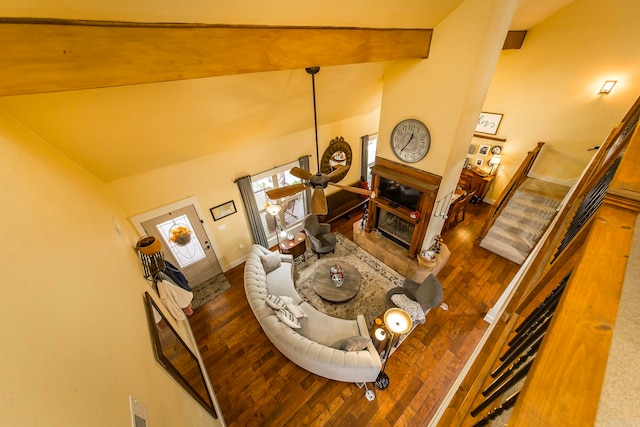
(316, 345)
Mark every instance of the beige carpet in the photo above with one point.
(621, 389)
(525, 218)
(377, 279)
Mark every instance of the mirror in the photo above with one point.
(176, 357)
(337, 155)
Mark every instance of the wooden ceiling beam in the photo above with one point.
(44, 55)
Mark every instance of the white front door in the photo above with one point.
(185, 243)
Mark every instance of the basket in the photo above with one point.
(428, 263)
(148, 245)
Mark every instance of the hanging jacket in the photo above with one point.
(176, 276)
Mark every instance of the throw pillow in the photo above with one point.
(293, 307)
(410, 306)
(270, 261)
(355, 344)
(275, 302)
(288, 319)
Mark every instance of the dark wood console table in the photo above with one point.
(472, 181)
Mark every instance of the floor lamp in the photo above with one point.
(274, 210)
(396, 322)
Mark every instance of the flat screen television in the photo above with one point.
(398, 193)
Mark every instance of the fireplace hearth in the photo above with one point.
(395, 228)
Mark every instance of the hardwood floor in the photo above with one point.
(257, 386)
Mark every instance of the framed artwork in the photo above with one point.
(225, 209)
(484, 150)
(472, 149)
(479, 162)
(488, 123)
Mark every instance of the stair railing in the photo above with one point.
(589, 239)
(516, 181)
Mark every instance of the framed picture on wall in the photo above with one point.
(484, 150)
(488, 123)
(225, 209)
(479, 162)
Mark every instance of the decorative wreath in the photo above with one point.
(180, 235)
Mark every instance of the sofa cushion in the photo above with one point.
(355, 343)
(293, 307)
(287, 318)
(410, 306)
(280, 282)
(270, 261)
(275, 302)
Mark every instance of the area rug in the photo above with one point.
(208, 290)
(377, 279)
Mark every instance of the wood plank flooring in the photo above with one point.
(257, 386)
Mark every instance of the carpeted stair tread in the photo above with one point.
(520, 241)
(498, 247)
(548, 190)
(540, 216)
(525, 218)
(525, 230)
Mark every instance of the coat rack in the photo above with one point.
(152, 265)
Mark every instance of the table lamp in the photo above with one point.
(396, 322)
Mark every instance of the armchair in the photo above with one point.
(321, 240)
(428, 293)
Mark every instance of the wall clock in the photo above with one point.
(337, 155)
(496, 149)
(410, 140)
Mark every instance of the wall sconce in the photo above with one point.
(494, 162)
(607, 86)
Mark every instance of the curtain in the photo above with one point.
(304, 164)
(253, 213)
(364, 157)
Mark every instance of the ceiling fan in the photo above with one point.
(318, 181)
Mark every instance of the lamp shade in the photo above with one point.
(380, 334)
(495, 160)
(397, 320)
(273, 209)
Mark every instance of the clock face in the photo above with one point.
(496, 149)
(410, 140)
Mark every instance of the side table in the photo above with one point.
(295, 247)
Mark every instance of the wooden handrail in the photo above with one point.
(516, 181)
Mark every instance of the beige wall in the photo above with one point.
(75, 340)
(446, 91)
(211, 179)
(547, 90)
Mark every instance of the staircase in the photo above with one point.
(525, 218)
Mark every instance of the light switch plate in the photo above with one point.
(138, 413)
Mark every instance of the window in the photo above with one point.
(293, 207)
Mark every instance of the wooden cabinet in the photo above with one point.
(472, 181)
(425, 183)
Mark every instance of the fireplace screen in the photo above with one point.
(395, 228)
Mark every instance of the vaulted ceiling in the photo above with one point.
(119, 131)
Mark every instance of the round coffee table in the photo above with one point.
(326, 289)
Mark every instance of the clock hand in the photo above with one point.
(405, 145)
